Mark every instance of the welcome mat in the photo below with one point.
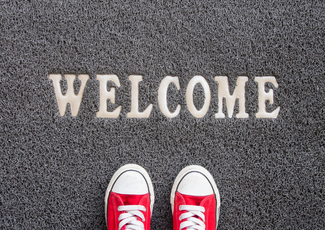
(236, 87)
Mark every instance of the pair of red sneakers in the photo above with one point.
(129, 199)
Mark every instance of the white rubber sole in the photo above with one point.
(125, 168)
(196, 168)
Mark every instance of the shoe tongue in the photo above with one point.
(130, 199)
(133, 200)
(193, 200)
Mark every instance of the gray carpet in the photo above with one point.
(54, 170)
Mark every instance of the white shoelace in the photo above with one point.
(192, 215)
(129, 218)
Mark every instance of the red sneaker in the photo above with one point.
(195, 200)
(129, 199)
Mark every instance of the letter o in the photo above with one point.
(189, 96)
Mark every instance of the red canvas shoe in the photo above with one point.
(129, 199)
(195, 200)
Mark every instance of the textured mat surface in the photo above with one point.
(54, 170)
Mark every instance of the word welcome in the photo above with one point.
(223, 92)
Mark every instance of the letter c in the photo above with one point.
(162, 96)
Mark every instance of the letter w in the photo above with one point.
(70, 96)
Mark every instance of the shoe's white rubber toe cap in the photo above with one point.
(195, 184)
(131, 182)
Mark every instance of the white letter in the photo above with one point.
(239, 92)
(135, 79)
(104, 95)
(162, 96)
(264, 96)
(70, 96)
(189, 96)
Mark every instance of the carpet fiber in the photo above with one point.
(54, 170)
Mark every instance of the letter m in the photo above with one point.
(70, 96)
(239, 93)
